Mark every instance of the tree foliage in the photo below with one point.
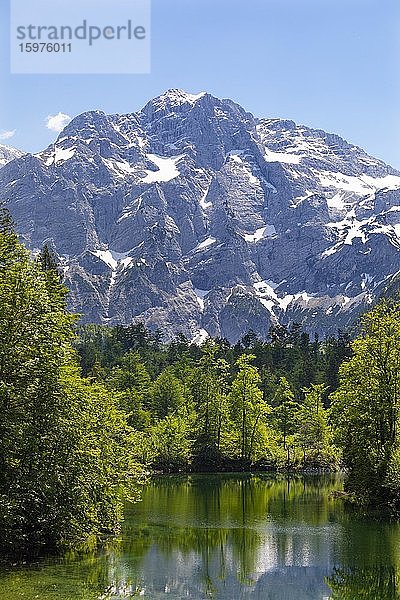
(366, 407)
(65, 446)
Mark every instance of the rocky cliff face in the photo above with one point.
(193, 216)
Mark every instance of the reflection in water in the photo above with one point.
(370, 583)
(230, 536)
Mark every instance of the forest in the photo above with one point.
(256, 404)
(89, 412)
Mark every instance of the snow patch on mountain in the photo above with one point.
(166, 169)
(362, 186)
(114, 260)
(200, 338)
(282, 157)
(205, 244)
(59, 155)
(201, 294)
(260, 233)
(203, 200)
(7, 154)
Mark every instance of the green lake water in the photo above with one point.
(230, 537)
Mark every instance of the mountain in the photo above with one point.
(194, 216)
(7, 153)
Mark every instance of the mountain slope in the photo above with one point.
(194, 216)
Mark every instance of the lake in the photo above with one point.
(229, 537)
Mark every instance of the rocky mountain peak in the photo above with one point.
(194, 216)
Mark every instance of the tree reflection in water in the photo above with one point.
(229, 536)
(371, 583)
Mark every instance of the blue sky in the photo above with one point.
(329, 64)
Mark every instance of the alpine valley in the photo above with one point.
(193, 216)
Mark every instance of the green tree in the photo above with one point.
(169, 445)
(313, 429)
(336, 350)
(365, 408)
(98, 348)
(132, 379)
(166, 395)
(65, 447)
(285, 411)
(209, 390)
(48, 261)
(248, 409)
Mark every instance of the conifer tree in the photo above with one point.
(285, 411)
(313, 429)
